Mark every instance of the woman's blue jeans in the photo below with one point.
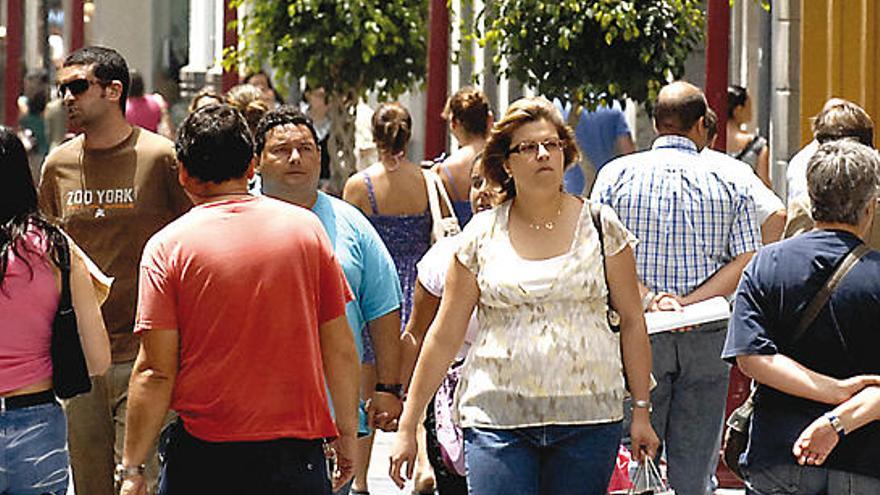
(33, 451)
(544, 460)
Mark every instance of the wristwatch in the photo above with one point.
(835, 423)
(643, 404)
(390, 388)
(123, 472)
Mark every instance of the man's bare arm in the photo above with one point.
(787, 375)
(385, 333)
(149, 396)
(773, 226)
(722, 283)
(342, 372)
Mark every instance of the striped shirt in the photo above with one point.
(689, 220)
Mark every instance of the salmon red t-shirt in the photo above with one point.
(246, 283)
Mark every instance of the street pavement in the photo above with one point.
(380, 484)
(377, 477)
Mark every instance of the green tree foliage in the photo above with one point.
(349, 47)
(592, 51)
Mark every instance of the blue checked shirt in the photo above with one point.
(689, 220)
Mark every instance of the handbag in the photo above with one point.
(440, 226)
(70, 373)
(450, 437)
(611, 313)
(737, 426)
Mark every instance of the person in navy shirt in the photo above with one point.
(800, 380)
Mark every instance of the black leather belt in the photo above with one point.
(26, 400)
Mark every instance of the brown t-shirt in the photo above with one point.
(111, 201)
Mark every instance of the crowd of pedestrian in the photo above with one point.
(247, 332)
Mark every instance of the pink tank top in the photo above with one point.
(27, 309)
(145, 111)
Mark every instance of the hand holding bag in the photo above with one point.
(440, 226)
(70, 374)
(647, 480)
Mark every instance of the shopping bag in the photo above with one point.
(620, 482)
(647, 480)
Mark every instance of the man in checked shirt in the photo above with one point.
(696, 231)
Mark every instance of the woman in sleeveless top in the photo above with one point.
(742, 144)
(541, 393)
(469, 117)
(33, 429)
(149, 111)
(394, 196)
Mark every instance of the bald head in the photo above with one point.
(680, 105)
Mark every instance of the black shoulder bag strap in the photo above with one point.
(596, 215)
(65, 304)
(749, 147)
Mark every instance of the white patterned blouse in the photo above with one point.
(544, 353)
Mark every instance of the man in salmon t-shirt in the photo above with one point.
(241, 312)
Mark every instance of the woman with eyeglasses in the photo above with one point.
(541, 391)
(33, 429)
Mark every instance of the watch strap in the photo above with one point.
(390, 388)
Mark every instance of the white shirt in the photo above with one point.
(740, 172)
(796, 174)
(432, 270)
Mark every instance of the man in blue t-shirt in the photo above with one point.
(602, 135)
(800, 380)
(289, 164)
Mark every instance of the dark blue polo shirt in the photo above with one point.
(843, 341)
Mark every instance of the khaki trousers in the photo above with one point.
(96, 433)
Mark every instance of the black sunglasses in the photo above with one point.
(76, 87)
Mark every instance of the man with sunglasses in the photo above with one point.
(111, 188)
(697, 231)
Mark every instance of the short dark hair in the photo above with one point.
(736, 97)
(136, 90)
(681, 113)
(283, 115)
(108, 65)
(214, 144)
(710, 120)
(844, 120)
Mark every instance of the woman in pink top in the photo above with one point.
(33, 429)
(149, 111)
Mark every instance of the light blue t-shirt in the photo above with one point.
(368, 268)
(596, 133)
(367, 264)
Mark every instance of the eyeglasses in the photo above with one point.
(76, 87)
(532, 147)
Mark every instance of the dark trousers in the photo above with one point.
(282, 466)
